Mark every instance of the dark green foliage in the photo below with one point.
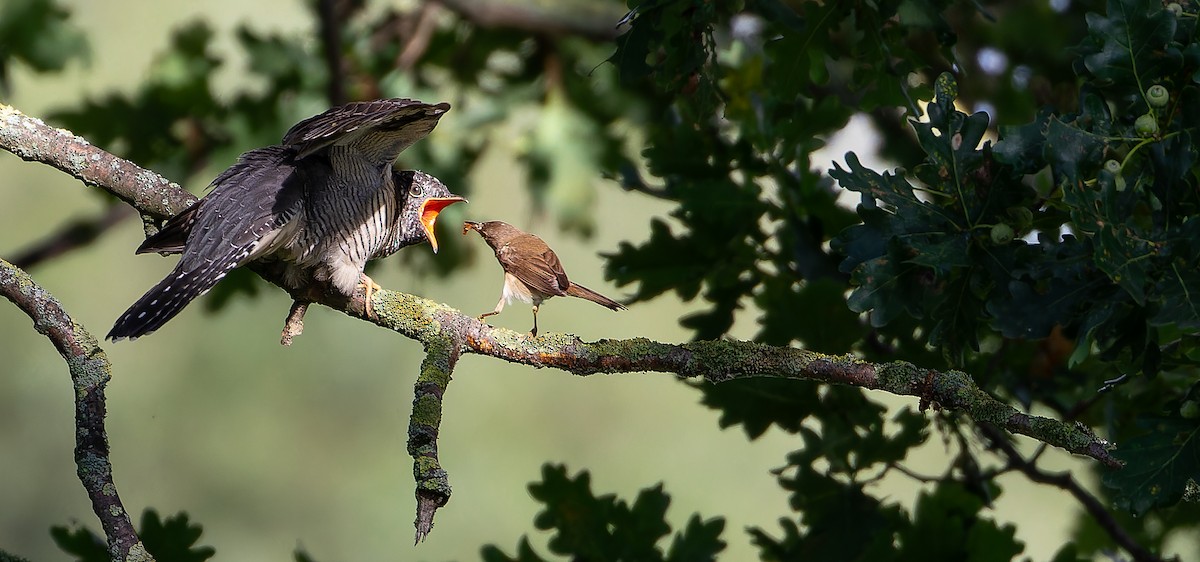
(757, 404)
(933, 256)
(1068, 553)
(1026, 239)
(81, 543)
(1118, 280)
(174, 108)
(589, 527)
(946, 524)
(1160, 464)
(173, 539)
(36, 33)
(1132, 44)
(6, 557)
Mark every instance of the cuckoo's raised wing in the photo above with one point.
(247, 211)
(379, 129)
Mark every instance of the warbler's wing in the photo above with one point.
(529, 259)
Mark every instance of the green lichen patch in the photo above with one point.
(427, 411)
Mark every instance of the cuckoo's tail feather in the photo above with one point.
(162, 302)
(577, 290)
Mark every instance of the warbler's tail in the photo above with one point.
(577, 290)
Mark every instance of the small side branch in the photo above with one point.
(294, 324)
(585, 18)
(418, 38)
(330, 13)
(90, 372)
(1064, 481)
(72, 236)
(433, 485)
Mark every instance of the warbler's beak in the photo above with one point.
(429, 214)
(468, 226)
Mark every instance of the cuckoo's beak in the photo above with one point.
(429, 213)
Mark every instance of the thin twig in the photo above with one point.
(419, 37)
(330, 21)
(915, 475)
(72, 236)
(583, 18)
(1064, 481)
(294, 324)
(90, 372)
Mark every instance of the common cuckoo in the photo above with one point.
(532, 272)
(325, 202)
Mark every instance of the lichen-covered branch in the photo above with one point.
(32, 140)
(433, 484)
(434, 324)
(722, 360)
(90, 372)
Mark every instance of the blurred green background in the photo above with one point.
(271, 448)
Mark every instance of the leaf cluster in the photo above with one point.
(173, 538)
(590, 527)
(1079, 224)
(37, 34)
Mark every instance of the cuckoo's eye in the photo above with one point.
(415, 190)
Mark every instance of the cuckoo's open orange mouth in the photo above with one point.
(429, 214)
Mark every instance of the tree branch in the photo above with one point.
(1064, 481)
(586, 18)
(433, 485)
(90, 372)
(34, 141)
(419, 36)
(71, 236)
(330, 14)
(723, 360)
(434, 324)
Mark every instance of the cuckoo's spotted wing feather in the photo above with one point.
(247, 210)
(537, 266)
(171, 238)
(380, 129)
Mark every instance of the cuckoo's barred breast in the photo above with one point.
(326, 200)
